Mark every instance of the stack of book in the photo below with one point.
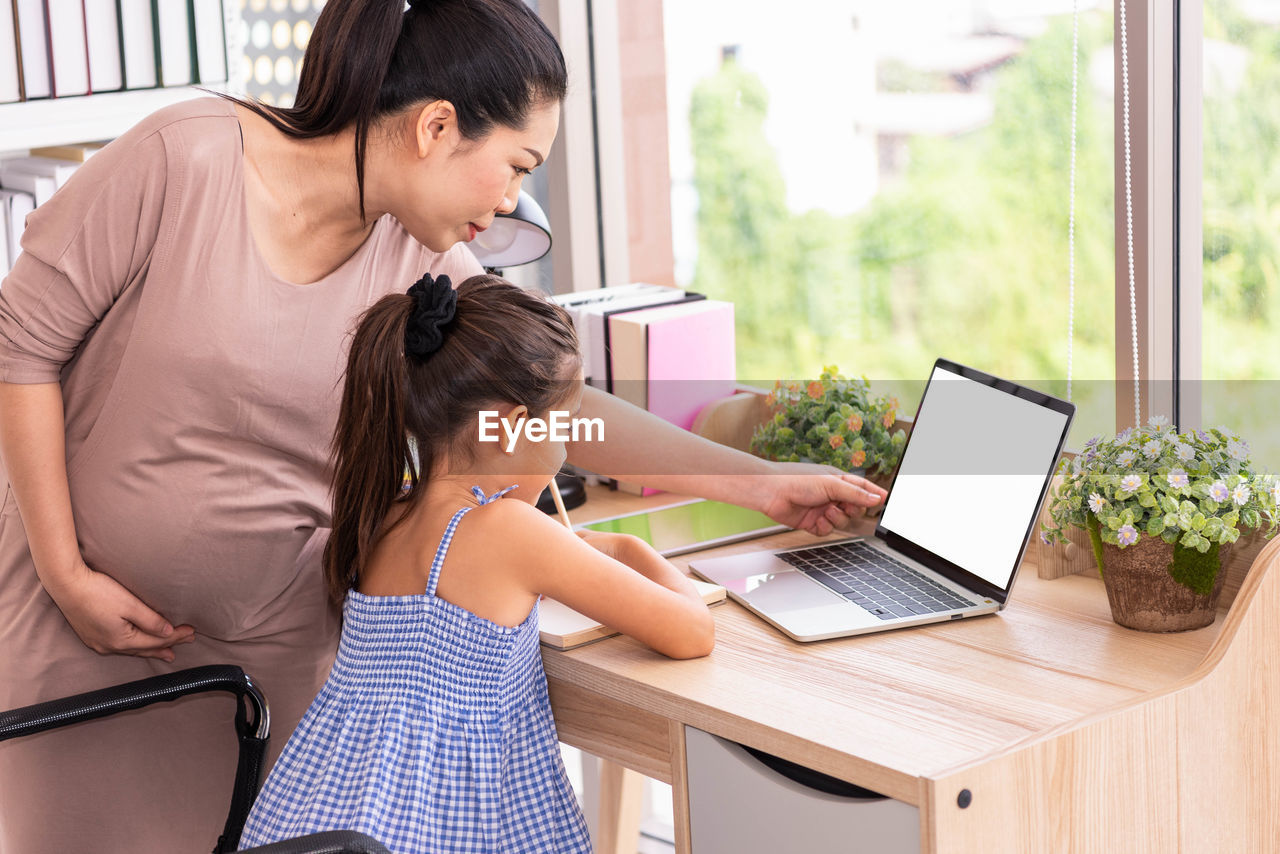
(663, 349)
(26, 182)
(60, 48)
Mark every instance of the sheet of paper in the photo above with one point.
(564, 628)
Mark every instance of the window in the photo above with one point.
(1241, 220)
(875, 185)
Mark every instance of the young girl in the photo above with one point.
(434, 732)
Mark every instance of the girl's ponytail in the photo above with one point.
(483, 345)
(370, 443)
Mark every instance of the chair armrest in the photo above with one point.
(329, 842)
(65, 711)
(253, 734)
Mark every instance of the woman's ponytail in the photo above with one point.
(492, 59)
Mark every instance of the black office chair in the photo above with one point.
(253, 733)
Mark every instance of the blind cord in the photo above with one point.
(1071, 205)
(1128, 212)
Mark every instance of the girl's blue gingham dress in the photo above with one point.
(433, 733)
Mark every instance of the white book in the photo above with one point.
(211, 40)
(40, 187)
(59, 170)
(5, 266)
(102, 24)
(138, 34)
(16, 206)
(173, 34)
(33, 34)
(67, 47)
(10, 90)
(592, 325)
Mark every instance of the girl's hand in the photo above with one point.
(815, 498)
(111, 620)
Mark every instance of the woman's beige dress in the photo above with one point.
(200, 393)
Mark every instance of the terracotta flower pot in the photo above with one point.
(1142, 590)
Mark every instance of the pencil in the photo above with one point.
(555, 496)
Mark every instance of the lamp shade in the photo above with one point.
(515, 238)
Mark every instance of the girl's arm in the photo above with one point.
(642, 447)
(617, 580)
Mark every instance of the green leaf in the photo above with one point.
(1169, 504)
(1147, 498)
(1190, 539)
(1198, 521)
(1155, 525)
(1186, 508)
(1113, 522)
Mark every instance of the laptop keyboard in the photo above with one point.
(874, 580)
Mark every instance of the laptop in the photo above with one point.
(960, 512)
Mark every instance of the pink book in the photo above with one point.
(689, 359)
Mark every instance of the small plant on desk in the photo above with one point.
(1167, 505)
(832, 420)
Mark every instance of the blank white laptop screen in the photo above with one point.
(972, 474)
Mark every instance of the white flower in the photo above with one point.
(1184, 452)
(1178, 479)
(1237, 450)
(1126, 459)
(1097, 503)
(1127, 535)
(1219, 492)
(1157, 421)
(1152, 449)
(1130, 483)
(1124, 435)
(1240, 494)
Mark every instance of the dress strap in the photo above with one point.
(433, 577)
(479, 493)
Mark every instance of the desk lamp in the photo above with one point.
(522, 237)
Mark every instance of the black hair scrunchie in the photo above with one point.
(434, 304)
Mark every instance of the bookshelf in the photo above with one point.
(59, 121)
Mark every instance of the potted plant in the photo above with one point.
(1162, 509)
(832, 420)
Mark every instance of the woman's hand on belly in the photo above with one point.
(112, 621)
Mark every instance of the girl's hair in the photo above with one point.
(493, 60)
(504, 345)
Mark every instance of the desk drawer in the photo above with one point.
(739, 805)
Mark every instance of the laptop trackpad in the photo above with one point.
(778, 592)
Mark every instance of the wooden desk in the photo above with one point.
(1070, 732)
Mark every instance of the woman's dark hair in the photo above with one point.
(504, 345)
(493, 60)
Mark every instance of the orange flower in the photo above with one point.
(858, 458)
(770, 400)
(836, 440)
(889, 418)
(855, 423)
(815, 390)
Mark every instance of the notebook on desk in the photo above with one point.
(961, 509)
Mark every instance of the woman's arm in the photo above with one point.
(106, 616)
(640, 446)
